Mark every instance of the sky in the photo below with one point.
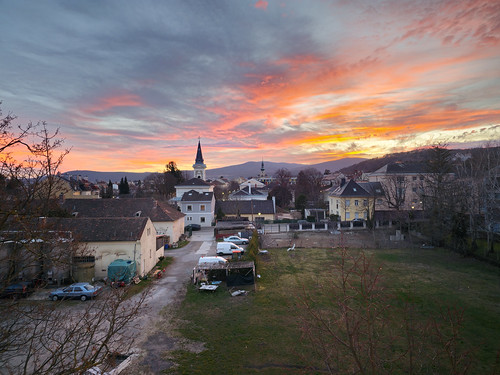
(132, 85)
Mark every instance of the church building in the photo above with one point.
(195, 197)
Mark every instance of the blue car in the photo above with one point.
(81, 291)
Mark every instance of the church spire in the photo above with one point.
(199, 155)
(199, 165)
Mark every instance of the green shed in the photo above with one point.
(121, 270)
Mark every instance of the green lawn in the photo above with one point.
(265, 332)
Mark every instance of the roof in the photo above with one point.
(372, 188)
(194, 196)
(199, 156)
(246, 191)
(351, 189)
(103, 229)
(143, 207)
(246, 207)
(193, 182)
(402, 168)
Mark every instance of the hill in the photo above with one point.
(249, 169)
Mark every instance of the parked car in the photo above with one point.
(227, 248)
(192, 227)
(236, 240)
(82, 291)
(19, 289)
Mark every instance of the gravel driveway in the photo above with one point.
(155, 335)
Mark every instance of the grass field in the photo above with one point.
(269, 331)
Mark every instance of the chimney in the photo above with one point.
(249, 188)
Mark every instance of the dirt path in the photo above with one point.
(156, 334)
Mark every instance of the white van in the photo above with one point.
(227, 248)
(211, 260)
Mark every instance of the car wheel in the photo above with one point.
(54, 298)
(83, 298)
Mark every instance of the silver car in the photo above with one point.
(236, 240)
(81, 291)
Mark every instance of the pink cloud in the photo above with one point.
(114, 100)
(261, 4)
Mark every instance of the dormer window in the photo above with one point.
(138, 213)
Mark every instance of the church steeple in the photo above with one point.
(262, 170)
(199, 165)
(199, 155)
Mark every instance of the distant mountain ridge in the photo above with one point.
(246, 170)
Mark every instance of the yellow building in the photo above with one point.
(355, 200)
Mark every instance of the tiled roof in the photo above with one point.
(102, 229)
(193, 182)
(144, 207)
(194, 196)
(246, 207)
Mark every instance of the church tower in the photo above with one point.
(262, 173)
(198, 166)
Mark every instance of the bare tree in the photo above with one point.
(362, 331)
(394, 188)
(309, 184)
(51, 338)
(439, 194)
(37, 337)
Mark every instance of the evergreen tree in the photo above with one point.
(109, 190)
(123, 187)
(126, 187)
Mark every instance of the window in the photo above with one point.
(189, 207)
(347, 202)
(379, 201)
(414, 189)
(189, 218)
(356, 215)
(414, 178)
(365, 215)
(356, 202)
(202, 207)
(202, 219)
(347, 215)
(149, 253)
(365, 202)
(149, 231)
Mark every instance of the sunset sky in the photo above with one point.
(133, 84)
